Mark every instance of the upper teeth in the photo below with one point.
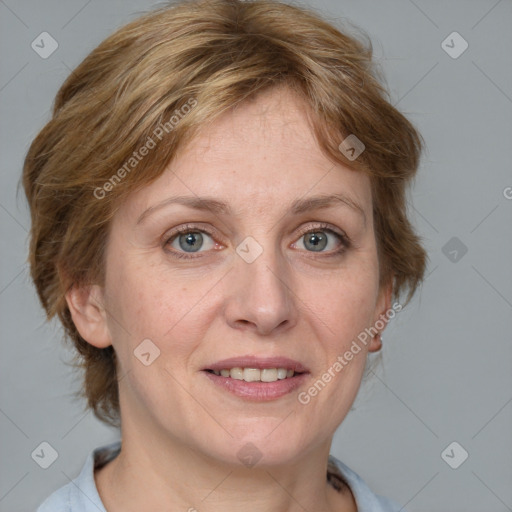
(255, 374)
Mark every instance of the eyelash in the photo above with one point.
(346, 243)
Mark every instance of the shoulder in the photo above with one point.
(59, 501)
(366, 499)
(81, 494)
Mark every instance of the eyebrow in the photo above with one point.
(299, 206)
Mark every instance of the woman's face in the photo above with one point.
(243, 281)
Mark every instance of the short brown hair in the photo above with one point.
(214, 54)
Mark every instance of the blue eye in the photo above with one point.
(187, 240)
(316, 240)
(190, 242)
(322, 240)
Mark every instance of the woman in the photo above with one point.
(219, 221)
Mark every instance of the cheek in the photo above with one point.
(144, 304)
(346, 304)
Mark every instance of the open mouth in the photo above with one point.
(256, 374)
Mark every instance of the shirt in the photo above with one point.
(81, 495)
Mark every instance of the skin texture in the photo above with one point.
(181, 434)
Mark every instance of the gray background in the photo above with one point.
(446, 370)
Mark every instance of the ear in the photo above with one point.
(383, 305)
(86, 305)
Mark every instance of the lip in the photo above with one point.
(258, 362)
(258, 391)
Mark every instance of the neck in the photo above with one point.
(194, 482)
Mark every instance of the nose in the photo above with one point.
(260, 297)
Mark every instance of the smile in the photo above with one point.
(257, 379)
(255, 374)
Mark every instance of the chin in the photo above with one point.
(261, 447)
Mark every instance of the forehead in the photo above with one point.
(258, 156)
